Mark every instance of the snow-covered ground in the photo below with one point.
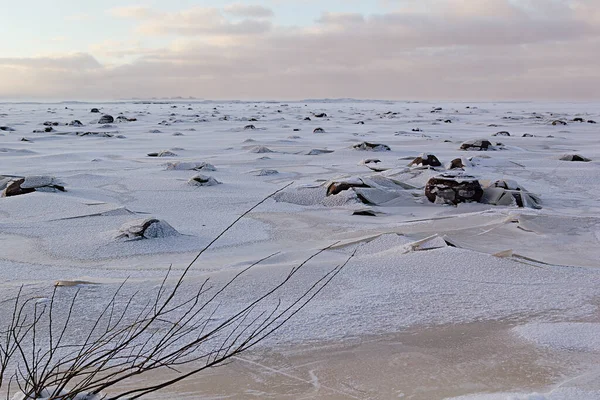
(535, 267)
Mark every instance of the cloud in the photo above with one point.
(77, 61)
(195, 21)
(136, 12)
(249, 11)
(455, 49)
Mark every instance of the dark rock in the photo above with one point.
(574, 157)
(307, 119)
(249, 127)
(32, 184)
(48, 129)
(528, 135)
(14, 189)
(448, 121)
(203, 180)
(7, 129)
(366, 146)
(453, 188)
(365, 213)
(50, 123)
(578, 119)
(501, 133)
(164, 153)
(337, 187)
(359, 123)
(591, 121)
(94, 110)
(457, 163)
(75, 122)
(122, 118)
(320, 115)
(559, 122)
(319, 130)
(417, 130)
(296, 129)
(426, 160)
(106, 119)
(477, 145)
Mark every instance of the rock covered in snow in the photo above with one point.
(261, 149)
(559, 122)
(203, 180)
(366, 146)
(509, 193)
(453, 188)
(75, 122)
(190, 166)
(501, 133)
(106, 119)
(146, 228)
(316, 152)
(319, 130)
(426, 160)
(574, 157)
(265, 172)
(476, 145)
(457, 163)
(163, 153)
(37, 183)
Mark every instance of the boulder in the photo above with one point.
(320, 115)
(457, 163)
(578, 119)
(366, 146)
(29, 184)
(164, 153)
(95, 111)
(558, 122)
(453, 188)
(574, 157)
(591, 121)
(146, 228)
(509, 193)
(7, 129)
(247, 127)
(261, 150)
(476, 145)
(426, 160)
(203, 180)
(95, 134)
(122, 118)
(106, 119)
(75, 122)
(319, 130)
(501, 133)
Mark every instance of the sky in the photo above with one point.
(299, 49)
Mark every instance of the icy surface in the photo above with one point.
(549, 278)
